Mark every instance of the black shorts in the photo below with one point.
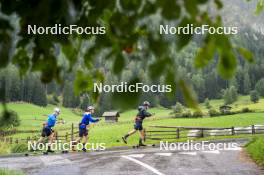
(138, 126)
(46, 132)
(83, 132)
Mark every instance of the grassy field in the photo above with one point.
(9, 172)
(33, 116)
(256, 150)
(242, 102)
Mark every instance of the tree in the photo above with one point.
(199, 85)
(39, 94)
(69, 98)
(39, 52)
(254, 97)
(246, 83)
(260, 87)
(230, 95)
(207, 103)
(178, 108)
(85, 102)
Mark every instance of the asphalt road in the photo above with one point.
(137, 162)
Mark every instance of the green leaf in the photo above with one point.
(22, 60)
(184, 39)
(70, 53)
(227, 64)
(119, 64)
(170, 10)
(126, 100)
(259, 7)
(158, 67)
(170, 80)
(188, 95)
(192, 7)
(206, 53)
(219, 4)
(246, 54)
(82, 82)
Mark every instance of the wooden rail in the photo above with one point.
(177, 132)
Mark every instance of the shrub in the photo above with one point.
(9, 119)
(4, 148)
(245, 110)
(53, 99)
(56, 98)
(254, 97)
(197, 114)
(207, 103)
(213, 112)
(19, 148)
(178, 108)
(187, 114)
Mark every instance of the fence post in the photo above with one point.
(72, 132)
(10, 140)
(56, 135)
(233, 130)
(178, 133)
(66, 137)
(144, 131)
(253, 129)
(202, 132)
(16, 141)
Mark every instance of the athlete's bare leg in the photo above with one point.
(128, 134)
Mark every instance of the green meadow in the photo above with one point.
(32, 117)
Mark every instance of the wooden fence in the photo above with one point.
(68, 136)
(154, 133)
(177, 132)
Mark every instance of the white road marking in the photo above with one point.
(144, 165)
(54, 160)
(136, 155)
(213, 152)
(189, 153)
(163, 154)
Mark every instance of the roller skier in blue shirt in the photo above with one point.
(47, 130)
(84, 125)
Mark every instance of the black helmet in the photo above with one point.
(146, 103)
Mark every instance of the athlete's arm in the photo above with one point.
(91, 119)
(147, 114)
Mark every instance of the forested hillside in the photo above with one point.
(206, 83)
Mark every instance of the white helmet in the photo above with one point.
(146, 103)
(89, 108)
(57, 110)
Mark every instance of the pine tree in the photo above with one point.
(39, 94)
(69, 98)
(246, 83)
(260, 87)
